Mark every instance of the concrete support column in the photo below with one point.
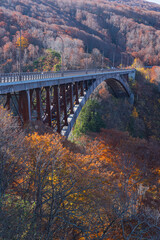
(48, 106)
(57, 103)
(38, 101)
(86, 85)
(29, 105)
(24, 105)
(8, 102)
(82, 88)
(76, 91)
(64, 104)
(71, 97)
(31, 94)
(20, 103)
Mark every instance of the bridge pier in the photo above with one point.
(24, 105)
(57, 103)
(82, 88)
(29, 105)
(48, 106)
(71, 97)
(31, 102)
(38, 104)
(86, 85)
(76, 91)
(8, 102)
(64, 104)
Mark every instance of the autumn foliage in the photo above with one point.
(115, 31)
(22, 42)
(104, 190)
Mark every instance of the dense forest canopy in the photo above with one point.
(121, 30)
(105, 188)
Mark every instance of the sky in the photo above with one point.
(155, 1)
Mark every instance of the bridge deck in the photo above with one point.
(10, 83)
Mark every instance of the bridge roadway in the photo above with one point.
(65, 93)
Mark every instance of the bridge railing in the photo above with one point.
(16, 77)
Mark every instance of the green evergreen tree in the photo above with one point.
(89, 120)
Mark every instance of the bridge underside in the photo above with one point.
(59, 105)
(117, 89)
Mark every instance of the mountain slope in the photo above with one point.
(122, 30)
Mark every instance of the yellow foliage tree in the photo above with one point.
(135, 113)
(137, 63)
(23, 42)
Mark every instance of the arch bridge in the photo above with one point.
(56, 98)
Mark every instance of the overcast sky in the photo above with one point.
(155, 1)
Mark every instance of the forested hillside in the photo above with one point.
(105, 188)
(140, 120)
(119, 30)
